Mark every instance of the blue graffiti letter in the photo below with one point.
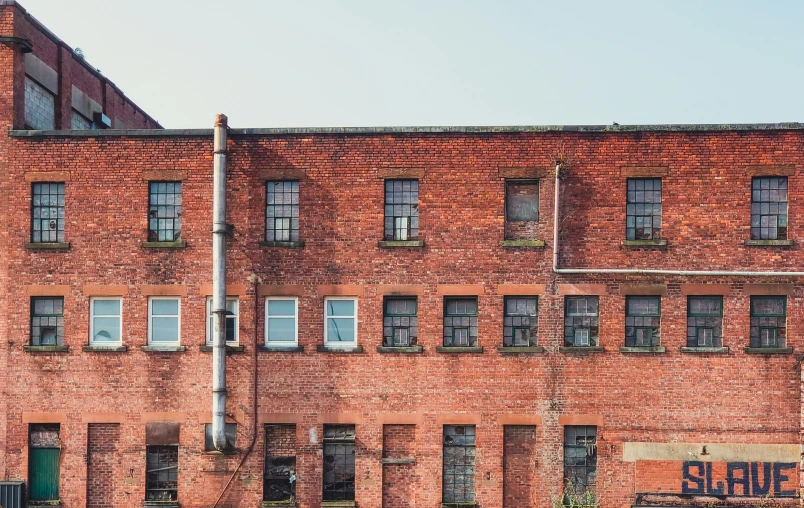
(686, 487)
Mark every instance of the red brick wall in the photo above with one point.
(399, 481)
(519, 465)
(103, 478)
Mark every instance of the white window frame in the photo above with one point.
(339, 344)
(92, 317)
(151, 299)
(295, 342)
(208, 315)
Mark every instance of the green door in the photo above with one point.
(43, 471)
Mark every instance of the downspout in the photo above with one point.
(639, 271)
(219, 231)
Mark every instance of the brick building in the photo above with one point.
(400, 334)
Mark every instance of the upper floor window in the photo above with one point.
(47, 213)
(521, 200)
(281, 321)
(105, 321)
(282, 211)
(768, 321)
(520, 321)
(400, 323)
(40, 106)
(460, 321)
(581, 314)
(47, 321)
(163, 320)
(642, 315)
(232, 315)
(164, 212)
(340, 321)
(401, 209)
(644, 209)
(769, 208)
(704, 321)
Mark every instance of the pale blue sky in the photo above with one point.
(291, 63)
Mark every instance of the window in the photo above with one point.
(400, 324)
(162, 473)
(644, 209)
(642, 315)
(401, 209)
(105, 321)
(163, 321)
(581, 321)
(580, 463)
(339, 462)
(47, 213)
(80, 122)
(164, 212)
(232, 318)
(459, 464)
(47, 321)
(279, 475)
(281, 321)
(460, 321)
(704, 321)
(521, 200)
(43, 462)
(520, 321)
(340, 318)
(229, 430)
(40, 106)
(769, 208)
(282, 211)
(768, 321)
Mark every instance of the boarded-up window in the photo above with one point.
(522, 200)
(339, 462)
(279, 476)
(43, 462)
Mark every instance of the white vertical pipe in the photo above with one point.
(219, 231)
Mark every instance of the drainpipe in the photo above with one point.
(219, 232)
(639, 271)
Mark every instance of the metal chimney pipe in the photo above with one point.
(219, 232)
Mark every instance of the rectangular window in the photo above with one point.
(340, 321)
(282, 211)
(43, 462)
(460, 321)
(47, 213)
(521, 200)
(281, 321)
(642, 315)
(164, 212)
(47, 321)
(644, 209)
(400, 324)
(581, 321)
(162, 473)
(229, 431)
(769, 208)
(768, 321)
(279, 475)
(580, 465)
(520, 321)
(339, 462)
(105, 321)
(40, 106)
(401, 209)
(232, 320)
(459, 464)
(704, 321)
(163, 321)
(80, 122)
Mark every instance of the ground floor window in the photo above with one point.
(339, 462)
(580, 464)
(459, 464)
(162, 473)
(279, 475)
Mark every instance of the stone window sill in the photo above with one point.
(769, 243)
(281, 349)
(338, 504)
(400, 349)
(46, 349)
(581, 349)
(282, 504)
(286, 245)
(229, 349)
(181, 244)
(459, 505)
(636, 244)
(54, 502)
(769, 350)
(715, 350)
(399, 461)
(459, 349)
(104, 349)
(520, 350)
(148, 504)
(330, 349)
(48, 246)
(523, 244)
(163, 349)
(642, 349)
(394, 244)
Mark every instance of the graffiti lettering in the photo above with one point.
(743, 479)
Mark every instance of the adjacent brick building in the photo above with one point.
(399, 335)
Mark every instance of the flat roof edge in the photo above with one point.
(102, 133)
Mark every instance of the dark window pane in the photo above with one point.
(279, 474)
(164, 212)
(400, 324)
(520, 321)
(704, 321)
(282, 211)
(522, 201)
(162, 473)
(47, 321)
(458, 484)
(643, 209)
(401, 209)
(581, 321)
(769, 208)
(47, 213)
(460, 321)
(339, 463)
(768, 321)
(642, 317)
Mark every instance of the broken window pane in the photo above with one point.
(769, 208)
(642, 317)
(522, 200)
(768, 321)
(460, 321)
(47, 213)
(282, 211)
(581, 321)
(162, 473)
(520, 321)
(401, 209)
(459, 464)
(704, 321)
(400, 323)
(47, 321)
(580, 463)
(164, 212)
(339, 462)
(643, 209)
(279, 475)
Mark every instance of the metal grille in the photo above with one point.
(644, 209)
(642, 318)
(704, 321)
(47, 213)
(520, 322)
(580, 462)
(460, 322)
(401, 209)
(769, 208)
(162, 474)
(458, 485)
(339, 462)
(282, 211)
(400, 324)
(768, 321)
(581, 321)
(12, 494)
(522, 201)
(47, 321)
(164, 212)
